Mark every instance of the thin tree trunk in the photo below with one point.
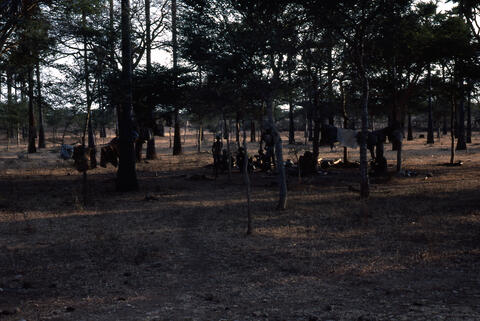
(9, 97)
(410, 130)
(237, 132)
(461, 143)
(229, 158)
(430, 139)
(445, 126)
(282, 202)
(246, 179)
(31, 117)
(253, 137)
(364, 183)
(41, 130)
(151, 151)
(177, 142)
(199, 138)
(126, 174)
(469, 116)
(345, 118)
(452, 130)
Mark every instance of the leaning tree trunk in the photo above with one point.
(282, 202)
(126, 174)
(31, 117)
(41, 130)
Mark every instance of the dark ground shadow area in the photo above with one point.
(177, 249)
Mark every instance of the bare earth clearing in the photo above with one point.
(177, 250)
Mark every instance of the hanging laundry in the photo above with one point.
(347, 137)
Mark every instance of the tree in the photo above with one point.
(126, 174)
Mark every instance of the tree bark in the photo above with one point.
(246, 179)
(177, 141)
(410, 130)
(364, 181)
(41, 130)
(452, 130)
(31, 117)
(430, 139)
(282, 202)
(461, 143)
(229, 157)
(469, 116)
(126, 174)
(345, 118)
(199, 138)
(151, 150)
(253, 137)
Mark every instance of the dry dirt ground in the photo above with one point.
(177, 249)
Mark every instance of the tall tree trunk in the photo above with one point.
(126, 174)
(91, 137)
(364, 182)
(291, 123)
(452, 130)
(151, 150)
(229, 157)
(246, 179)
(469, 115)
(199, 138)
(410, 130)
(177, 142)
(237, 131)
(253, 137)
(310, 126)
(345, 118)
(41, 130)
(430, 139)
(31, 117)
(445, 126)
(461, 143)
(282, 202)
(9, 96)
